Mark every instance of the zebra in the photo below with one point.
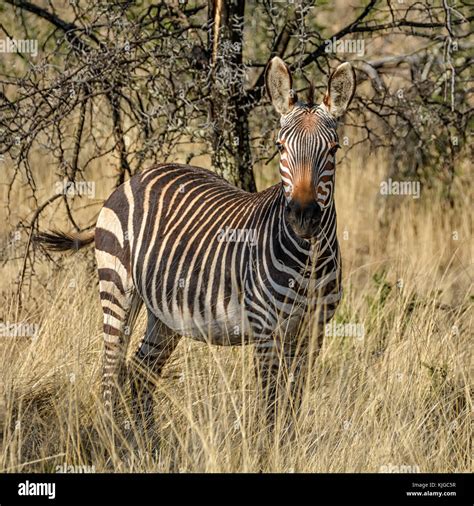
(163, 239)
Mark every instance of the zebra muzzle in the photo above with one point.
(304, 219)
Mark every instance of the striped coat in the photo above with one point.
(217, 264)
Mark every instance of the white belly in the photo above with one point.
(232, 328)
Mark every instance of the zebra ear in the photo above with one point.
(341, 89)
(278, 81)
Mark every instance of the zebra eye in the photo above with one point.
(333, 149)
(279, 146)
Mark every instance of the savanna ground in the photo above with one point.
(397, 398)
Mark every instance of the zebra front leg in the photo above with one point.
(300, 357)
(298, 364)
(283, 370)
(157, 346)
(268, 361)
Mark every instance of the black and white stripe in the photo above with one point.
(159, 240)
(214, 263)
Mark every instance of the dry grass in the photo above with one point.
(399, 396)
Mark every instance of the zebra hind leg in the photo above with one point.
(120, 308)
(156, 347)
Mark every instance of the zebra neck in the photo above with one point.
(324, 245)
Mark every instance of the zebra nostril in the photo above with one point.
(313, 213)
(293, 207)
(305, 219)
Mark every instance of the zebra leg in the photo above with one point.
(268, 369)
(298, 363)
(300, 358)
(120, 308)
(283, 369)
(157, 346)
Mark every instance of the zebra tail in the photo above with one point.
(60, 241)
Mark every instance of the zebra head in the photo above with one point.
(308, 142)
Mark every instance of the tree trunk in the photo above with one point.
(228, 115)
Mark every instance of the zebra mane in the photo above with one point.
(310, 95)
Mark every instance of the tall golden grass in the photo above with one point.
(398, 398)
